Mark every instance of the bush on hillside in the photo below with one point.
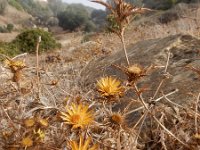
(89, 26)
(99, 18)
(56, 6)
(15, 4)
(26, 41)
(8, 49)
(3, 29)
(74, 17)
(10, 27)
(42, 13)
(3, 4)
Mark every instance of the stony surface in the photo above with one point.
(184, 52)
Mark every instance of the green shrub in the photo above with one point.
(87, 37)
(8, 49)
(75, 16)
(26, 41)
(89, 26)
(3, 4)
(10, 27)
(3, 29)
(15, 4)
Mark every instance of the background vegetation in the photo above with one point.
(26, 41)
(3, 4)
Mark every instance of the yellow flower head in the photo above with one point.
(79, 116)
(29, 122)
(43, 122)
(27, 142)
(109, 86)
(40, 134)
(82, 145)
(15, 65)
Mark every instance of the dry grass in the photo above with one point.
(32, 108)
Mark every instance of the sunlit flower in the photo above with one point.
(27, 142)
(79, 116)
(109, 86)
(43, 122)
(82, 145)
(29, 122)
(40, 134)
(15, 65)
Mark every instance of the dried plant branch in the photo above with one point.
(162, 137)
(191, 111)
(196, 113)
(157, 100)
(124, 48)
(169, 132)
(141, 98)
(140, 128)
(120, 17)
(37, 67)
(165, 72)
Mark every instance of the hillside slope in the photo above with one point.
(14, 16)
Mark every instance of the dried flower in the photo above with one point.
(135, 69)
(16, 68)
(79, 116)
(120, 17)
(82, 145)
(135, 72)
(121, 13)
(117, 118)
(109, 86)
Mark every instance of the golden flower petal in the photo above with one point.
(29, 122)
(78, 116)
(27, 142)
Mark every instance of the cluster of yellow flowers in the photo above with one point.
(36, 128)
(80, 116)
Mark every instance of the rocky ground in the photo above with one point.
(72, 72)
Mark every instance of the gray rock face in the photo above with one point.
(164, 4)
(184, 51)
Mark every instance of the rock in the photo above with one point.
(184, 51)
(164, 4)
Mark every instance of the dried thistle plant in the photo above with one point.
(16, 68)
(120, 17)
(135, 72)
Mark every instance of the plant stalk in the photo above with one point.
(124, 47)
